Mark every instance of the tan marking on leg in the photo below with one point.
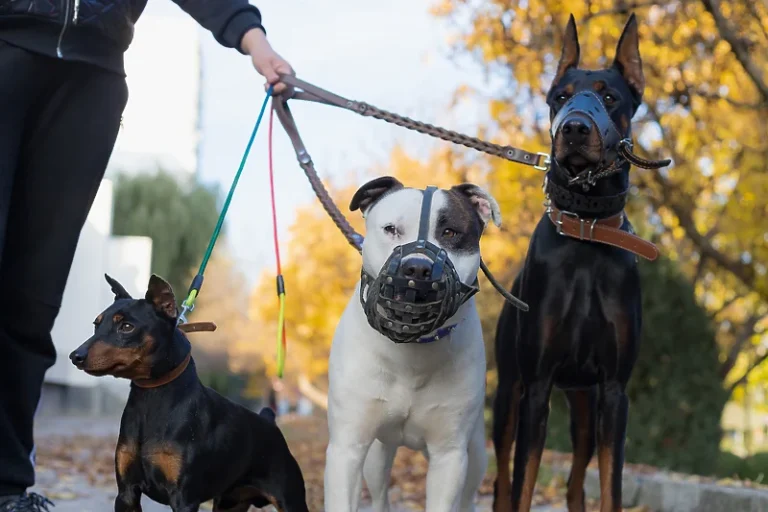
(578, 401)
(503, 477)
(605, 464)
(529, 484)
(168, 459)
(125, 455)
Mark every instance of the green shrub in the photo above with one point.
(751, 468)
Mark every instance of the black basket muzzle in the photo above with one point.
(588, 106)
(406, 309)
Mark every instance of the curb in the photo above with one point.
(663, 493)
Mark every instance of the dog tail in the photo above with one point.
(268, 413)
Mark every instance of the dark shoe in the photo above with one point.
(27, 502)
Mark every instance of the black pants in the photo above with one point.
(58, 125)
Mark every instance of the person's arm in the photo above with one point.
(237, 24)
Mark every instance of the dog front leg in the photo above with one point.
(529, 445)
(583, 406)
(128, 498)
(377, 471)
(181, 504)
(446, 477)
(611, 434)
(344, 472)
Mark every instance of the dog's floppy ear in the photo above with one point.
(485, 205)
(627, 59)
(117, 288)
(368, 194)
(569, 58)
(160, 294)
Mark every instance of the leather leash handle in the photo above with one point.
(310, 92)
(305, 161)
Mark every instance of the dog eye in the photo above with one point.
(609, 99)
(448, 233)
(561, 98)
(390, 229)
(125, 328)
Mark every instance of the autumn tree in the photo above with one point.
(705, 105)
(179, 218)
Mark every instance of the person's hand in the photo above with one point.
(266, 60)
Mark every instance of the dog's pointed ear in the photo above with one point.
(484, 203)
(569, 58)
(627, 60)
(368, 194)
(117, 288)
(160, 294)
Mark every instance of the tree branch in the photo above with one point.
(717, 97)
(741, 380)
(725, 305)
(623, 8)
(739, 49)
(700, 269)
(745, 333)
(681, 205)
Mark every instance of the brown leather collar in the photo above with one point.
(197, 327)
(605, 231)
(165, 379)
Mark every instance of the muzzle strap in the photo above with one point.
(426, 208)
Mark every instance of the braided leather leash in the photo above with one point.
(301, 90)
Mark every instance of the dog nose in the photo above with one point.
(78, 357)
(576, 130)
(417, 268)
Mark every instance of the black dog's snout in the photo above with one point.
(78, 356)
(417, 268)
(576, 129)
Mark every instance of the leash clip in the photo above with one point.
(543, 162)
(183, 315)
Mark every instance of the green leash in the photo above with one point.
(197, 283)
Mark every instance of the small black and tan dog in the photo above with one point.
(180, 442)
(581, 282)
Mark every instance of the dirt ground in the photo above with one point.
(75, 465)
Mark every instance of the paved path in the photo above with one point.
(74, 493)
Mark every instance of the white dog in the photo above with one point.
(426, 396)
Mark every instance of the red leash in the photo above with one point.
(281, 339)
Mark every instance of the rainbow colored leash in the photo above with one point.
(197, 283)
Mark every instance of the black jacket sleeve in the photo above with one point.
(228, 20)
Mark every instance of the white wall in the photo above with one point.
(127, 259)
(163, 74)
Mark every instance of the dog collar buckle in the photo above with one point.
(440, 333)
(559, 220)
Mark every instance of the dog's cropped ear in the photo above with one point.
(368, 194)
(485, 205)
(160, 294)
(117, 288)
(569, 58)
(627, 60)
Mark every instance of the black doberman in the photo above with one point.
(581, 282)
(180, 442)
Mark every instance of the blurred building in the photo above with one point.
(160, 129)
(161, 121)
